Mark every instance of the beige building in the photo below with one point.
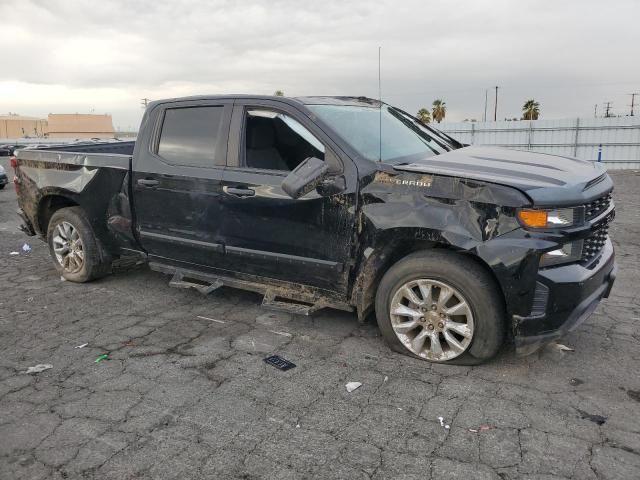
(80, 125)
(58, 125)
(18, 126)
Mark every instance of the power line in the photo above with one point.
(435, 90)
(144, 102)
(607, 107)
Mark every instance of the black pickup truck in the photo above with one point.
(338, 202)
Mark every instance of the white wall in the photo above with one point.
(581, 138)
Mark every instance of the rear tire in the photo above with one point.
(467, 329)
(77, 253)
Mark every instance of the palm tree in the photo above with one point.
(439, 110)
(279, 93)
(424, 115)
(530, 110)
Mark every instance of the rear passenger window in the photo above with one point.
(190, 135)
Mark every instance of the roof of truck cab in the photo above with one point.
(317, 100)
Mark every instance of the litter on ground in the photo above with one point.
(102, 357)
(210, 319)
(564, 348)
(39, 368)
(481, 428)
(26, 248)
(284, 334)
(351, 386)
(598, 419)
(81, 346)
(279, 362)
(14, 253)
(442, 424)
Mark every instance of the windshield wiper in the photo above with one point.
(450, 143)
(400, 115)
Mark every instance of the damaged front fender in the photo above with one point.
(405, 211)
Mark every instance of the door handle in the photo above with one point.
(239, 192)
(146, 182)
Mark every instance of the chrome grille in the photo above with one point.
(594, 243)
(599, 205)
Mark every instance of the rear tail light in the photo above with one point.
(13, 161)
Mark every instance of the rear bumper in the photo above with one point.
(573, 293)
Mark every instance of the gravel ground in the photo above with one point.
(185, 392)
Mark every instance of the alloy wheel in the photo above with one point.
(432, 319)
(68, 247)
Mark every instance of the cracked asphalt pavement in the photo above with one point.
(185, 393)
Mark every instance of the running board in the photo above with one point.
(275, 297)
(271, 302)
(178, 281)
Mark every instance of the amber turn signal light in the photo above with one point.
(533, 218)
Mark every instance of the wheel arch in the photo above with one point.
(376, 259)
(50, 204)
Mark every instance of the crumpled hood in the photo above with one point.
(546, 179)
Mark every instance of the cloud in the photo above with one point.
(107, 55)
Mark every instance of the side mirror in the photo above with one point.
(305, 177)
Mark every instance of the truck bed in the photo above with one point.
(108, 154)
(123, 148)
(91, 175)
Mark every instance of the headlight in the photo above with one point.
(560, 217)
(569, 252)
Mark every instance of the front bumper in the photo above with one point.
(572, 294)
(3, 179)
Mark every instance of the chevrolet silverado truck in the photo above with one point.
(341, 202)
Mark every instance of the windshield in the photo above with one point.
(403, 139)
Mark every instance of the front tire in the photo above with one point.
(441, 307)
(76, 251)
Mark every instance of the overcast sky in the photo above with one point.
(104, 56)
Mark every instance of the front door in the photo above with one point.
(177, 182)
(267, 233)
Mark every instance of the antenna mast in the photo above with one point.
(379, 108)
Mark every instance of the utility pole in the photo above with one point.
(607, 108)
(495, 110)
(633, 103)
(486, 97)
(144, 102)
(595, 111)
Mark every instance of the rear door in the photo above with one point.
(267, 233)
(177, 179)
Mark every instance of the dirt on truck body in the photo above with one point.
(453, 248)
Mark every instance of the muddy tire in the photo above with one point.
(441, 307)
(76, 251)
